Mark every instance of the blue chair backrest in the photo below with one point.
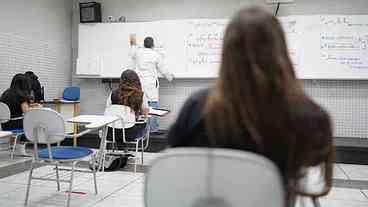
(71, 94)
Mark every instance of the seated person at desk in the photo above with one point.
(17, 97)
(36, 89)
(129, 94)
(258, 105)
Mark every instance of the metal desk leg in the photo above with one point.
(75, 127)
(101, 153)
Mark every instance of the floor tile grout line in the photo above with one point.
(7, 193)
(94, 202)
(115, 191)
(365, 194)
(343, 171)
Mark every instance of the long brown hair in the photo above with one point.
(131, 93)
(258, 101)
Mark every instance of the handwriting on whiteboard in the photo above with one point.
(204, 42)
(346, 50)
(344, 41)
(346, 21)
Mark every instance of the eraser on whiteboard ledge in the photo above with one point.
(279, 1)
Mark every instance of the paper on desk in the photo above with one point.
(158, 112)
(5, 134)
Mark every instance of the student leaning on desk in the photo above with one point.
(18, 99)
(258, 105)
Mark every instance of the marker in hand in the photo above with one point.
(133, 39)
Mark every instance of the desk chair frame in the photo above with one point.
(48, 128)
(139, 143)
(5, 116)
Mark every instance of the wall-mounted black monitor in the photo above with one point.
(90, 12)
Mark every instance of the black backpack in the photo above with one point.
(114, 161)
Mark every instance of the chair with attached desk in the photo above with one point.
(46, 126)
(5, 135)
(140, 142)
(94, 123)
(5, 116)
(210, 177)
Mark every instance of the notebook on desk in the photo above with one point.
(158, 112)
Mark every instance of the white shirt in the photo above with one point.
(148, 63)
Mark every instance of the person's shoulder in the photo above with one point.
(199, 96)
(12, 94)
(150, 51)
(196, 101)
(9, 92)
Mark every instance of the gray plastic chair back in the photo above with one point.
(203, 177)
(4, 113)
(44, 126)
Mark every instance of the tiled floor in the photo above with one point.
(123, 189)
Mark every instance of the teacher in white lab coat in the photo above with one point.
(148, 63)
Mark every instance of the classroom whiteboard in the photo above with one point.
(320, 46)
(190, 48)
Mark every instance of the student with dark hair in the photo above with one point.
(17, 97)
(35, 86)
(148, 63)
(130, 94)
(258, 105)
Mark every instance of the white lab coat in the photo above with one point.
(148, 63)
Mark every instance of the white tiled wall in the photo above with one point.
(36, 35)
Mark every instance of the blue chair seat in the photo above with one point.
(65, 153)
(71, 94)
(16, 131)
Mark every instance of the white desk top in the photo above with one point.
(4, 134)
(93, 121)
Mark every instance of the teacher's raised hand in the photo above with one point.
(132, 39)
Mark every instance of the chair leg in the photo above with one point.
(57, 176)
(101, 153)
(29, 184)
(94, 173)
(316, 202)
(71, 184)
(103, 160)
(13, 148)
(136, 156)
(142, 152)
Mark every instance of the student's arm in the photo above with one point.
(132, 40)
(132, 52)
(25, 107)
(187, 123)
(177, 136)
